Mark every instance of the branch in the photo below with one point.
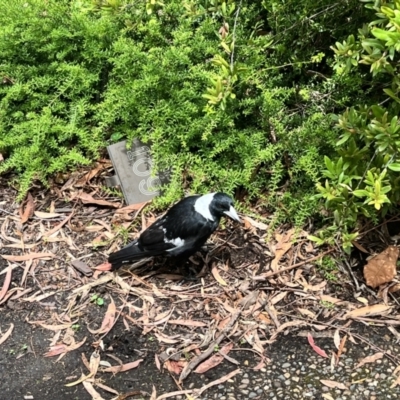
(233, 33)
(197, 360)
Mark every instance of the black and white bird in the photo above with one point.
(181, 232)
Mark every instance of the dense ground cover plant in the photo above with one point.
(233, 95)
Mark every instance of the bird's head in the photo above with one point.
(221, 205)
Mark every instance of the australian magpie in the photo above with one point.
(181, 232)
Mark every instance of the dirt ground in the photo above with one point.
(72, 330)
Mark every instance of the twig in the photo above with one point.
(217, 382)
(273, 316)
(108, 277)
(233, 34)
(59, 226)
(392, 219)
(350, 271)
(270, 274)
(173, 394)
(197, 360)
(6, 212)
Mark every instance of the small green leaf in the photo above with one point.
(394, 167)
(360, 193)
(100, 301)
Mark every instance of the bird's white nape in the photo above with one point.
(202, 205)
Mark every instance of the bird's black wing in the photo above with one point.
(180, 231)
(154, 238)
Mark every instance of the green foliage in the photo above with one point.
(97, 299)
(233, 95)
(51, 60)
(327, 266)
(364, 179)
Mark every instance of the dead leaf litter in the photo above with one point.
(251, 291)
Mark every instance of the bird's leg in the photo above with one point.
(186, 269)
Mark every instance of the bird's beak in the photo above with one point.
(232, 214)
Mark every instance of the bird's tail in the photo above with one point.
(127, 254)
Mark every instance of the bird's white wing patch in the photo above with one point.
(202, 205)
(177, 242)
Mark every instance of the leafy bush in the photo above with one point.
(364, 179)
(236, 96)
(52, 59)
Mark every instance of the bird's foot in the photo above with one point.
(188, 272)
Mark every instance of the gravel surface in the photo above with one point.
(295, 372)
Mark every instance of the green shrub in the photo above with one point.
(364, 179)
(235, 96)
(52, 59)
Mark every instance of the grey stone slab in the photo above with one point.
(133, 172)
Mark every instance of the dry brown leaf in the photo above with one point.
(256, 224)
(362, 300)
(157, 361)
(153, 394)
(377, 309)
(80, 380)
(63, 348)
(283, 245)
(369, 359)
(175, 367)
(160, 321)
(94, 228)
(130, 208)
(90, 175)
(7, 334)
(382, 268)
(288, 324)
(307, 312)
(214, 360)
(30, 256)
(217, 382)
(217, 276)
(395, 383)
(392, 289)
(88, 199)
(317, 349)
(56, 327)
(260, 365)
(165, 339)
(280, 296)
(6, 283)
(186, 322)
(108, 321)
(46, 215)
(91, 390)
(313, 288)
(94, 363)
(360, 247)
(333, 384)
(262, 317)
(48, 234)
(161, 316)
(27, 209)
(336, 338)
